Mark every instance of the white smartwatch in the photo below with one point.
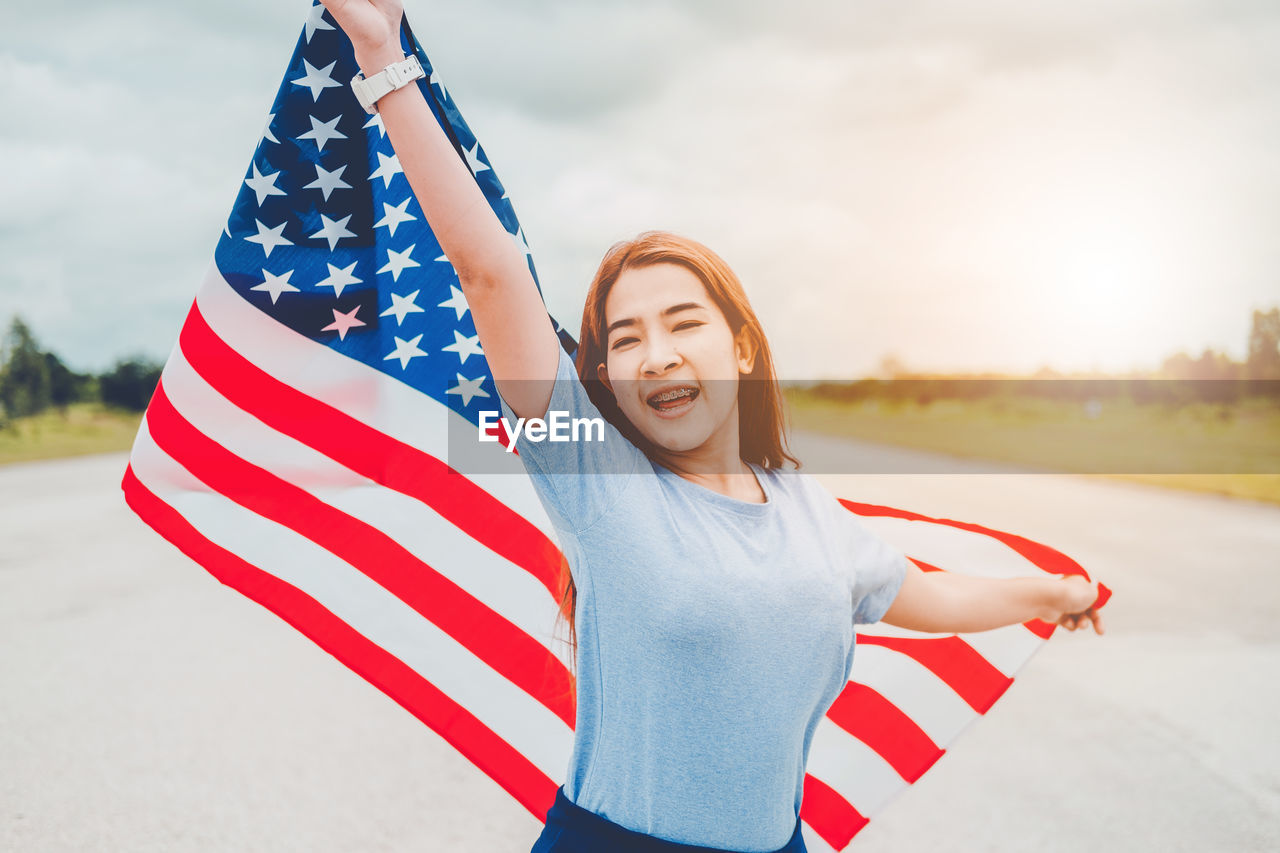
(397, 75)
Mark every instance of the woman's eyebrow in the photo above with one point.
(666, 312)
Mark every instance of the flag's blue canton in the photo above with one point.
(327, 238)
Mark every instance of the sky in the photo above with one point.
(964, 186)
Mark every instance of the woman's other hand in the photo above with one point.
(1073, 604)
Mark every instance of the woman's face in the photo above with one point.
(671, 359)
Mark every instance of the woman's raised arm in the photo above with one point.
(515, 332)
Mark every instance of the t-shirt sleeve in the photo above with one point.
(878, 569)
(582, 464)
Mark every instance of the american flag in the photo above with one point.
(296, 449)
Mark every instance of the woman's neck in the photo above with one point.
(743, 486)
(716, 465)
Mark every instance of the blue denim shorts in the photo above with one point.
(572, 829)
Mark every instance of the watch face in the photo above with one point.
(364, 94)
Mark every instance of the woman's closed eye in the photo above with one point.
(622, 341)
(687, 324)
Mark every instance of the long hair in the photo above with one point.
(761, 410)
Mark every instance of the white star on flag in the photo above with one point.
(401, 306)
(468, 388)
(388, 168)
(375, 120)
(339, 278)
(521, 243)
(327, 181)
(275, 285)
(323, 131)
(263, 185)
(317, 79)
(393, 216)
(405, 350)
(266, 129)
(334, 230)
(434, 80)
(398, 262)
(315, 21)
(269, 238)
(464, 346)
(342, 322)
(457, 301)
(473, 158)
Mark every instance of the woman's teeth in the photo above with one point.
(669, 399)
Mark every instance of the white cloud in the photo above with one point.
(953, 184)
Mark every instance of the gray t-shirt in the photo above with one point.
(713, 633)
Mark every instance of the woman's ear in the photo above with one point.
(602, 373)
(744, 349)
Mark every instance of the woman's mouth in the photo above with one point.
(671, 402)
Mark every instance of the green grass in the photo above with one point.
(81, 429)
(1243, 439)
(1227, 449)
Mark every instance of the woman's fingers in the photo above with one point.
(1075, 621)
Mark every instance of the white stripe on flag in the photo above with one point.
(501, 585)
(1007, 648)
(371, 396)
(369, 609)
(851, 768)
(813, 842)
(912, 688)
(952, 548)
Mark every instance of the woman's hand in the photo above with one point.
(1072, 604)
(372, 25)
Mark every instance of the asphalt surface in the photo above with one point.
(143, 706)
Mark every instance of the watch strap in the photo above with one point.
(397, 75)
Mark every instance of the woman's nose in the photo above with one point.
(660, 356)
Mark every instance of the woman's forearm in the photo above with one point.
(518, 340)
(470, 233)
(979, 604)
(943, 602)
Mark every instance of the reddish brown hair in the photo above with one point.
(761, 410)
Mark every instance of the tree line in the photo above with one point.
(1212, 377)
(33, 380)
(1262, 361)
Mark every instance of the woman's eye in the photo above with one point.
(689, 324)
(620, 341)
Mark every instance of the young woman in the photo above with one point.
(714, 590)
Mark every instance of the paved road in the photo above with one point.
(145, 707)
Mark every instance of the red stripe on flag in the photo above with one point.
(881, 725)
(363, 449)
(1054, 562)
(1044, 557)
(957, 663)
(829, 814)
(491, 637)
(493, 755)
